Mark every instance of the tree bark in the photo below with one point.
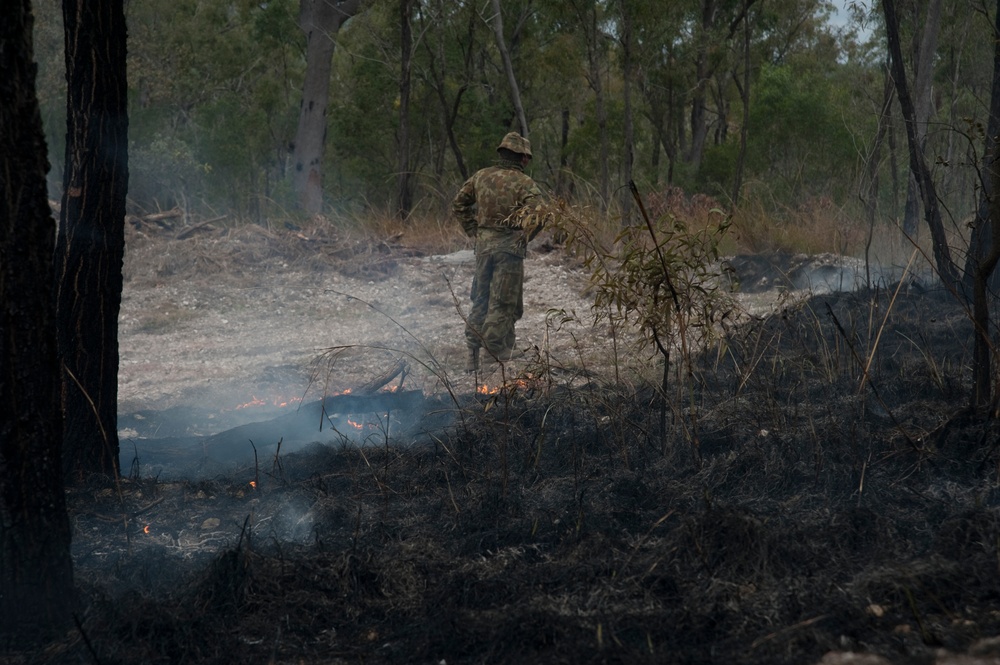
(923, 70)
(983, 262)
(404, 195)
(744, 90)
(592, 37)
(627, 75)
(703, 74)
(90, 245)
(36, 573)
(320, 20)
(508, 67)
(918, 166)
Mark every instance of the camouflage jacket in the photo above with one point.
(492, 206)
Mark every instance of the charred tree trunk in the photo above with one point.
(36, 574)
(90, 244)
(918, 166)
(986, 235)
(320, 20)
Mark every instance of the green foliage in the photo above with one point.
(663, 277)
(215, 91)
(667, 281)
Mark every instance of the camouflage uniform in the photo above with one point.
(492, 207)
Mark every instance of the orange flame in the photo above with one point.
(354, 424)
(145, 529)
(253, 484)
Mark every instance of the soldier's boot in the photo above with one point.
(510, 354)
(472, 362)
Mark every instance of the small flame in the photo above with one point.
(355, 425)
(145, 529)
(253, 484)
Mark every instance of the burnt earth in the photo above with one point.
(818, 490)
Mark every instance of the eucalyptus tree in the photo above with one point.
(36, 573)
(320, 20)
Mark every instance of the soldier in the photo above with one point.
(495, 206)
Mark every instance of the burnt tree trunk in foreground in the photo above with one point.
(90, 245)
(36, 574)
(985, 250)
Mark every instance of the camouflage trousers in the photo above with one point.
(497, 301)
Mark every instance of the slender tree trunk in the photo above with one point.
(589, 20)
(699, 106)
(744, 89)
(36, 573)
(923, 70)
(449, 111)
(627, 75)
(320, 20)
(508, 67)
(404, 195)
(870, 186)
(562, 187)
(90, 245)
(942, 253)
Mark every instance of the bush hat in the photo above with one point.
(516, 143)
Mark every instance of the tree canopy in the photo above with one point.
(215, 89)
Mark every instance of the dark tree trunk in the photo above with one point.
(404, 195)
(627, 74)
(985, 250)
(449, 111)
(918, 166)
(703, 74)
(923, 69)
(36, 574)
(320, 20)
(592, 36)
(744, 90)
(563, 188)
(90, 245)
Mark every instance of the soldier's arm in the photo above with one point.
(463, 208)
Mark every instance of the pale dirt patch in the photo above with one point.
(200, 324)
(249, 316)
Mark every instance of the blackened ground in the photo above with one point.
(819, 489)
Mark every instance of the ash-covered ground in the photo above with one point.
(809, 489)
